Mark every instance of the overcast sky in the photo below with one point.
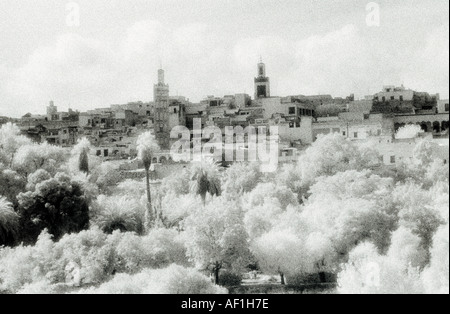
(212, 48)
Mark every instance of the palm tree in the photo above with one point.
(206, 179)
(147, 147)
(9, 221)
(117, 213)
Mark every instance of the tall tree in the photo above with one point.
(147, 147)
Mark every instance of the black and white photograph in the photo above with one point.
(218, 149)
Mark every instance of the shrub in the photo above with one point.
(26, 264)
(369, 273)
(171, 280)
(160, 248)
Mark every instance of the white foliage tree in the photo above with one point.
(32, 157)
(10, 142)
(331, 154)
(216, 237)
(280, 252)
(368, 272)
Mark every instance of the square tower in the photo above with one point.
(161, 118)
(262, 82)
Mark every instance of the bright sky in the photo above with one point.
(212, 47)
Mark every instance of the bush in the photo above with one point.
(171, 280)
(369, 273)
(159, 248)
(24, 265)
(89, 257)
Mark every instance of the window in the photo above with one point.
(261, 91)
(344, 133)
(401, 98)
(291, 110)
(355, 135)
(174, 110)
(446, 107)
(392, 97)
(99, 152)
(366, 116)
(291, 125)
(148, 113)
(297, 124)
(392, 159)
(384, 99)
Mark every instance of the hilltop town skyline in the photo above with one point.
(41, 109)
(209, 48)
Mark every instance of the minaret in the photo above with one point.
(161, 90)
(52, 111)
(262, 82)
(161, 98)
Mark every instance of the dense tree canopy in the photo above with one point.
(56, 204)
(72, 223)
